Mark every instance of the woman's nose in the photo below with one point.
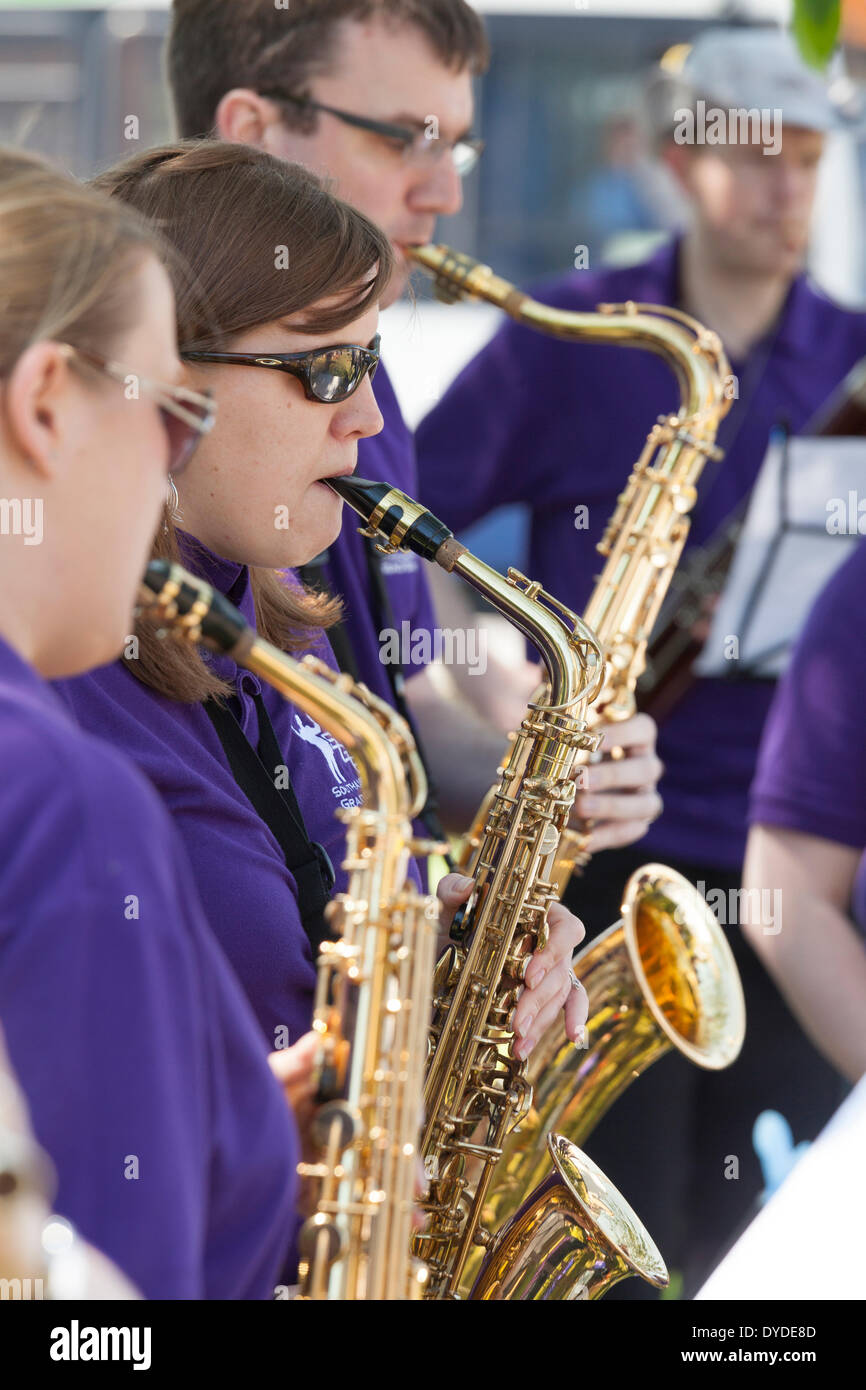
(360, 415)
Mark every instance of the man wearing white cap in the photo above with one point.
(744, 137)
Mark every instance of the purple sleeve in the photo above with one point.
(142, 1067)
(518, 424)
(248, 895)
(476, 448)
(811, 772)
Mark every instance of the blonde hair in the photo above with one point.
(65, 258)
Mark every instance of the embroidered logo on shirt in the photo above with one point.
(401, 563)
(345, 784)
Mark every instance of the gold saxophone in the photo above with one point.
(476, 1090)
(374, 982)
(664, 976)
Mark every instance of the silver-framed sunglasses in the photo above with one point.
(186, 415)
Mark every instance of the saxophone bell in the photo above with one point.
(573, 1238)
(663, 978)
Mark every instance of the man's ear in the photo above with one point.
(32, 404)
(678, 159)
(243, 116)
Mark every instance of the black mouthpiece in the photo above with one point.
(424, 533)
(170, 594)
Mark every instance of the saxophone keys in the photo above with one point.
(684, 496)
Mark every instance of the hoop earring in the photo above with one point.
(172, 502)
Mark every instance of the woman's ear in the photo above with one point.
(32, 403)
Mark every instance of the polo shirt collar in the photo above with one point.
(229, 578)
(18, 674)
(662, 273)
(795, 328)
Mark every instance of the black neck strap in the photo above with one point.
(312, 576)
(263, 777)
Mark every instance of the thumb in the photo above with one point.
(454, 889)
(295, 1063)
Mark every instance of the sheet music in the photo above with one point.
(801, 525)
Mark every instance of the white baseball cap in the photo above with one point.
(758, 68)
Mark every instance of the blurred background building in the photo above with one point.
(569, 160)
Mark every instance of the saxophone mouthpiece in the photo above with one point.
(361, 494)
(452, 271)
(190, 608)
(393, 517)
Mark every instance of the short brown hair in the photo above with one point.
(227, 210)
(215, 45)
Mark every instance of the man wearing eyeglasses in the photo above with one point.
(377, 96)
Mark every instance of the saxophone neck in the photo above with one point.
(647, 532)
(569, 649)
(694, 353)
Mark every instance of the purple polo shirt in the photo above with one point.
(811, 773)
(249, 896)
(386, 457)
(139, 1057)
(559, 426)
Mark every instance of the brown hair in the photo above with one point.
(215, 45)
(234, 215)
(65, 258)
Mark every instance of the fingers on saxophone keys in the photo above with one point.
(566, 932)
(522, 1026)
(617, 834)
(454, 889)
(640, 730)
(576, 1014)
(539, 1008)
(642, 803)
(639, 733)
(422, 1194)
(643, 771)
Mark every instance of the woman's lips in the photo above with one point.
(341, 473)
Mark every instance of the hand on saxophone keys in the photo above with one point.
(617, 798)
(549, 985)
(297, 1070)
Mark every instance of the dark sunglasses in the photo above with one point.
(329, 374)
(186, 415)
